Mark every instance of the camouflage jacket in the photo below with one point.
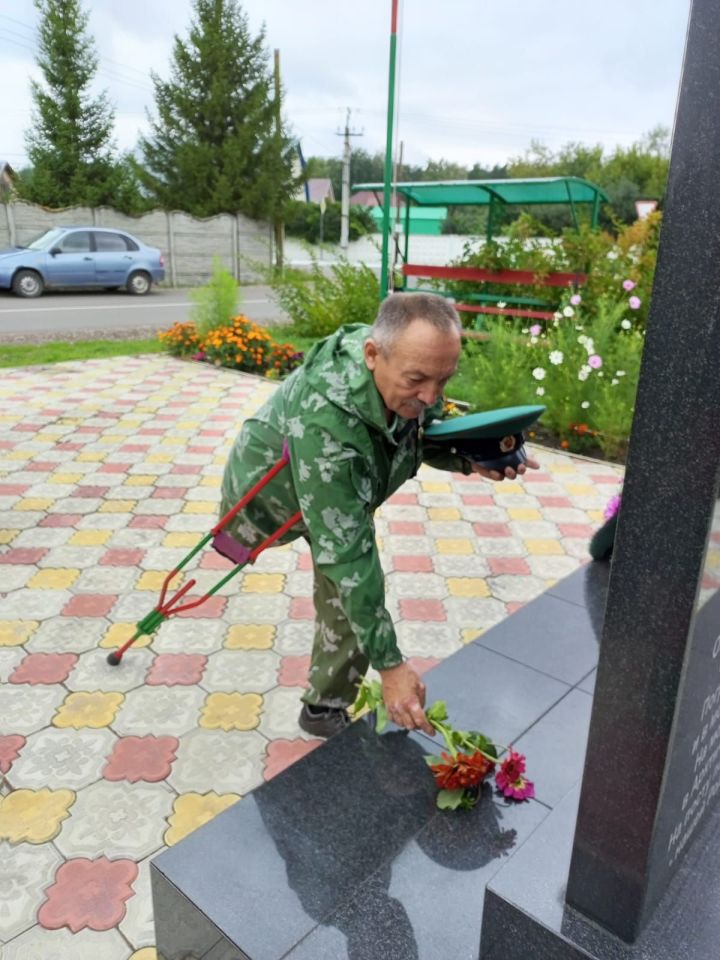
(345, 460)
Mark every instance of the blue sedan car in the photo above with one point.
(81, 257)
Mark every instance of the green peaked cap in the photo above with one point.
(493, 439)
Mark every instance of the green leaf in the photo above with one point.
(433, 761)
(382, 717)
(481, 742)
(362, 698)
(449, 799)
(437, 712)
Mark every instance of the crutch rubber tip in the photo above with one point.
(113, 658)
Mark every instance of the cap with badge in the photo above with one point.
(493, 439)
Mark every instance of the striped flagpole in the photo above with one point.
(385, 257)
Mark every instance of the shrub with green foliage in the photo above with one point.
(216, 301)
(326, 299)
(583, 365)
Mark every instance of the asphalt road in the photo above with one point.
(62, 314)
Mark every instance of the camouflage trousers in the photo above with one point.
(336, 663)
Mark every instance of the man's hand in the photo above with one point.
(404, 696)
(511, 474)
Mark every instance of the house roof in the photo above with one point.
(455, 193)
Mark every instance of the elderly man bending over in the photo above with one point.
(353, 418)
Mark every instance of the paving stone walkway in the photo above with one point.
(109, 472)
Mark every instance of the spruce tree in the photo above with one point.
(215, 146)
(70, 143)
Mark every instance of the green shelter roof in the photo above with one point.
(457, 193)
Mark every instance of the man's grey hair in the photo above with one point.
(399, 310)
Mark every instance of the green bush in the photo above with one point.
(583, 365)
(325, 300)
(216, 303)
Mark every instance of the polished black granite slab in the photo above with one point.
(526, 915)
(344, 855)
(349, 834)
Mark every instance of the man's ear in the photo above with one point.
(371, 352)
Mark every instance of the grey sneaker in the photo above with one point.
(323, 721)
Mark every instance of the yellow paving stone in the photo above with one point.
(524, 513)
(192, 810)
(467, 587)
(34, 816)
(454, 546)
(89, 538)
(141, 480)
(90, 457)
(53, 579)
(180, 539)
(119, 634)
(580, 489)
(250, 636)
(263, 583)
(596, 515)
(211, 481)
(145, 953)
(34, 503)
(380, 543)
(96, 709)
(13, 633)
(20, 455)
(188, 424)
(231, 711)
(430, 486)
(712, 559)
(218, 461)
(117, 506)
(543, 547)
(468, 636)
(562, 468)
(7, 536)
(154, 579)
(159, 458)
(502, 486)
(65, 478)
(199, 506)
(444, 513)
(46, 437)
(173, 442)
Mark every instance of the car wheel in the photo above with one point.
(27, 283)
(139, 283)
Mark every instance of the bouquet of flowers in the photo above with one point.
(470, 756)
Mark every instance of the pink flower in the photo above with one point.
(510, 780)
(575, 299)
(634, 303)
(629, 285)
(535, 330)
(613, 505)
(595, 361)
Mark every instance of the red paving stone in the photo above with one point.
(477, 500)
(88, 894)
(122, 558)
(61, 520)
(514, 565)
(89, 605)
(44, 668)
(403, 500)
(411, 609)
(146, 758)
(10, 747)
(176, 669)
(148, 522)
(294, 671)
(561, 502)
(283, 753)
(412, 564)
(302, 608)
(406, 528)
(580, 530)
(212, 607)
(492, 529)
(23, 555)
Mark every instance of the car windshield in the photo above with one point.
(45, 240)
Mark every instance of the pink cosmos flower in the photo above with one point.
(510, 780)
(595, 361)
(575, 299)
(613, 505)
(634, 303)
(629, 285)
(535, 330)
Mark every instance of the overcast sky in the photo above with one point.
(477, 81)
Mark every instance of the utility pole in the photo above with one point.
(345, 205)
(279, 226)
